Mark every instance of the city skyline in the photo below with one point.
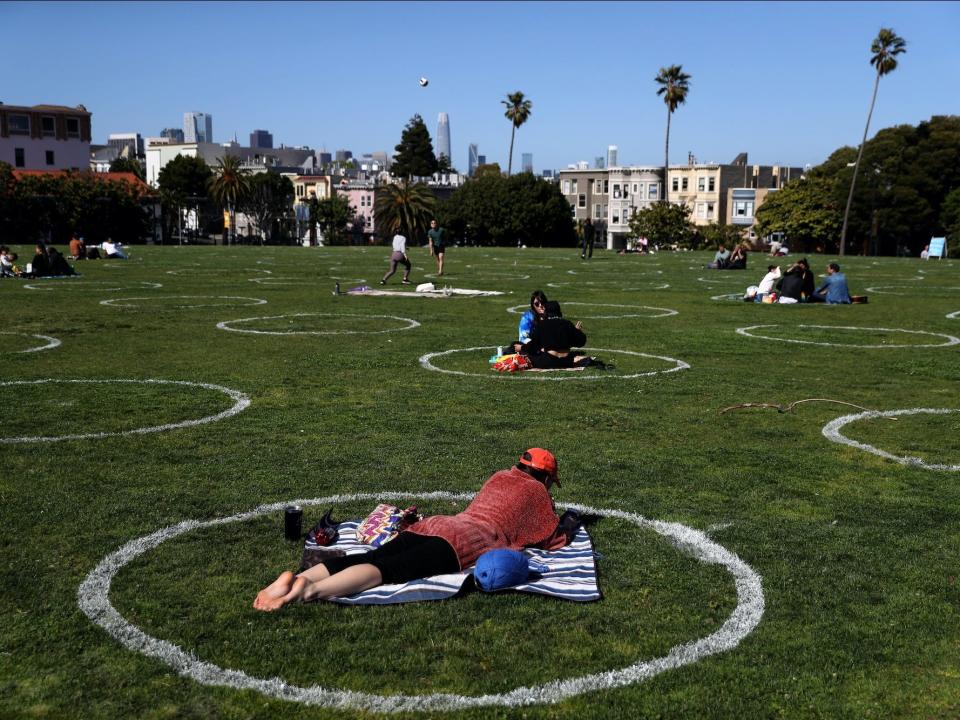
(795, 86)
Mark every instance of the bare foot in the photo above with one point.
(271, 597)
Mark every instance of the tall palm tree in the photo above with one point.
(674, 85)
(404, 208)
(518, 112)
(885, 48)
(229, 187)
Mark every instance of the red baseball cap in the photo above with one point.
(540, 459)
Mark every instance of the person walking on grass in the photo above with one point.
(589, 232)
(399, 257)
(513, 510)
(437, 237)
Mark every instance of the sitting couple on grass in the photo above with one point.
(548, 339)
(513, 510)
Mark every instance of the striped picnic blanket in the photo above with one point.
(572, 574)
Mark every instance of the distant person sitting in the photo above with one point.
(834, 288)
(552, 341)
(796, 285)
(535, 314)
(720, 259)
(78, 248)
(8, 261)
(738, 259)
(112, 251)
(925, 253)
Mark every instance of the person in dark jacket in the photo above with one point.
(553, 339)
(589, 233)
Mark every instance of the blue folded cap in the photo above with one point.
(500, 569)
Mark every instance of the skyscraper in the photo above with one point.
(197, 127)
(611, 156)
(175, 134)
(261, 139)
(598, 163)
(473, 159)
(526, 162)
(443, 136)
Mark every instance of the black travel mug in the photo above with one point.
(292, 522)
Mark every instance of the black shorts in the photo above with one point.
(407, 557)
(439, 250)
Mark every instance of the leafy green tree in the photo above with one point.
(950, 219)
(130, 165)
(404, 208)
(332, 215)
(443, 165)
(8, 186)
(414, 156)
(807, 211)
(518, 112)
(663, 224)
(714, 235)
(491, 209)
(269, 198)
(885, 48)
(229, 187)
(674, 86)
(487, 169)
(183, 184)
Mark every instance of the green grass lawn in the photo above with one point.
(858, 554)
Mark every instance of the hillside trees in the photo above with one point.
(414, 157)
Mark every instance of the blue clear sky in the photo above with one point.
(786, 82)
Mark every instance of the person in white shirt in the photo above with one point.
(399, 257)
(766, 285)
(112, 250)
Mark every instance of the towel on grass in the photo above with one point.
(572, 574)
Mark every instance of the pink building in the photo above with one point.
(45, 137)
(360, 195)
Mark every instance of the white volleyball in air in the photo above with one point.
(424, 82)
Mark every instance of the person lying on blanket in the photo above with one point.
(513, 509)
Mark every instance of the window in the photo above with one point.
(639, 193)
(676, 184)
(652, 191)
(686, 184)
(616, 190)
(73, 127)
(634, 188)
(596, 211)
(701, 184)
(566, 187)
(616, 217)
(712, 184)
(581, 200)
(743, 208)
(604, 210)
(626, 214)
(606, 187)
(18, 124)
(48, 125)
(701, 210)
(709, 209)
(573, 186)
(50, 157)
(18, 158)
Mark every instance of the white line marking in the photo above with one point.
(241, 401)
(128, 302)
(94, 285)
(52, 342)
(225, 325)
(951, 340)
(831, 431)
(93, 598)
(662, 312)
(425, 362)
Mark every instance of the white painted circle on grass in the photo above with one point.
(953, 315)
(662, 286)
(49, 342)
(481, 276)
(660, 312)
(91, 285)
(728, 296)
(831, 431)
(225, 325)
(214, 271)
(426, 363)
(880, 289)
(135, 302)
(951, 340)
(240, 403)
(284, 281)
(93, 598)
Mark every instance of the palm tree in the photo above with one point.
(885, 48)
(229, 187)
(518, 112)
(674, 85)
(404, 208)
